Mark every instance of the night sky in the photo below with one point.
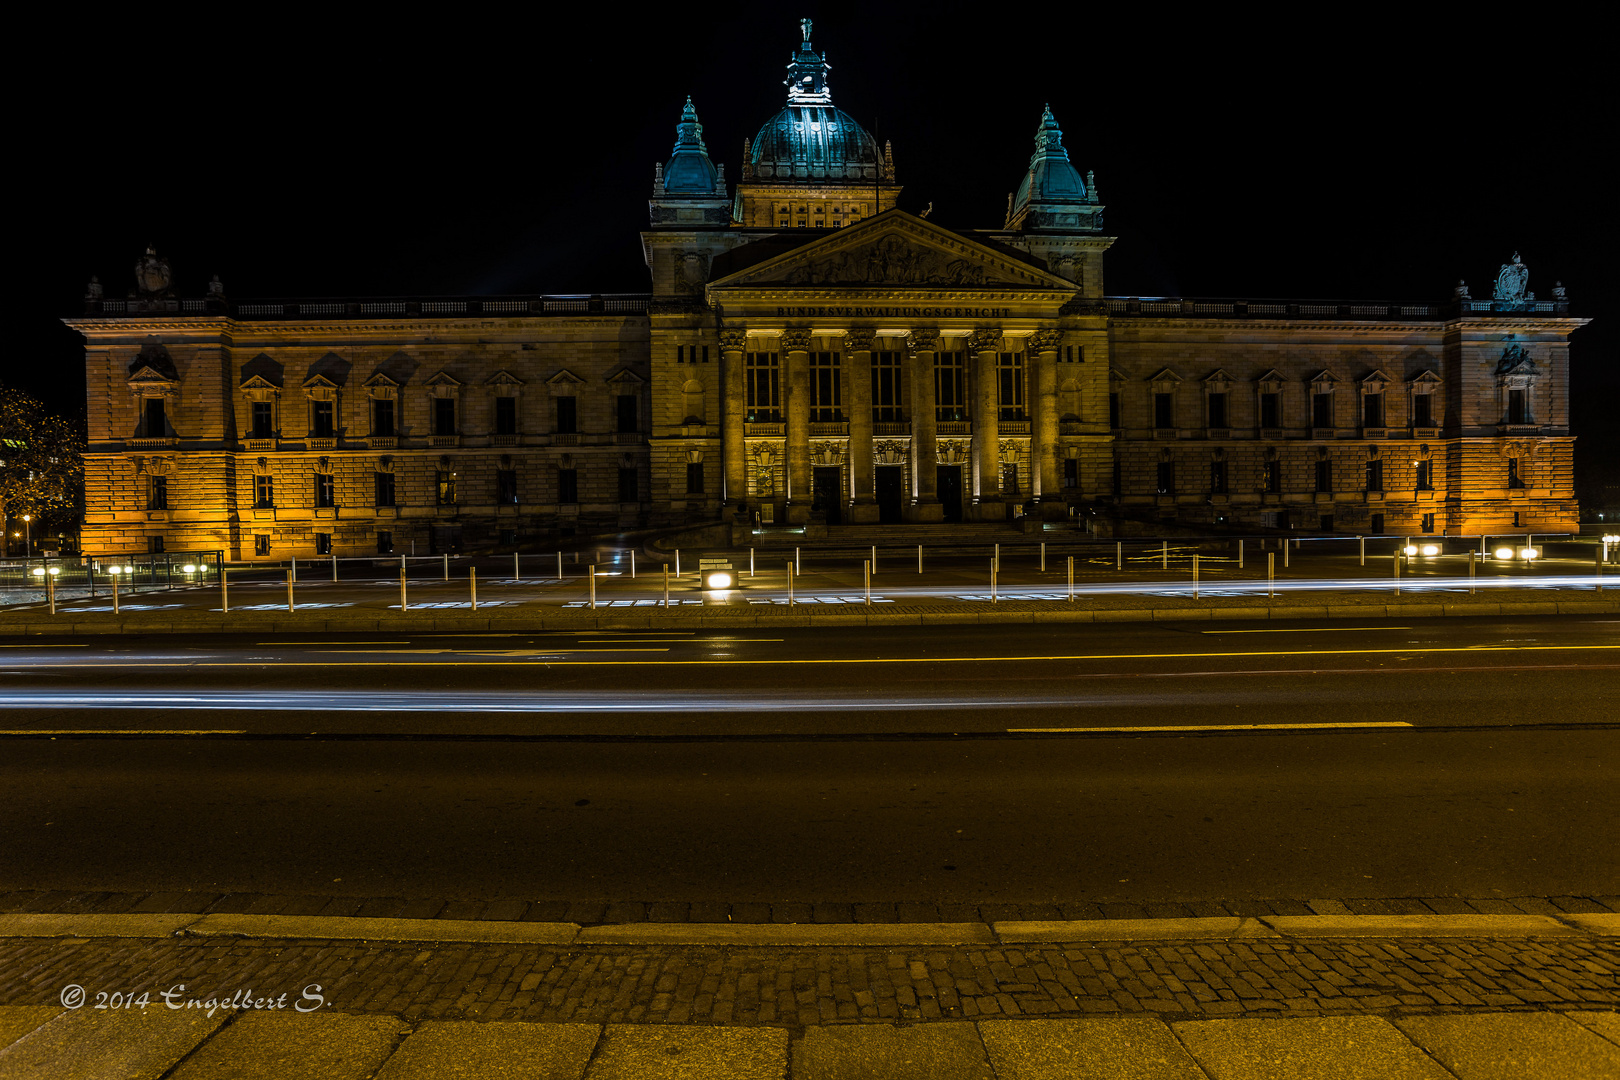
(1244, 152)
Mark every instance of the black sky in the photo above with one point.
(1373, 153)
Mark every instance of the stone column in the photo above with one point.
(796, 361)
(924, 347)
(858, 371)
(1043, 442)
(733, 410)
(984, 345)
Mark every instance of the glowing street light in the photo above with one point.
(1431, 549)
(719, 579)
(1529, 553)
(1504, 553)
(1409, 550)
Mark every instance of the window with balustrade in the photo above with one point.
(950, 386)
(826, 397)
(1010, 386)
(887, 404)
(762, 387)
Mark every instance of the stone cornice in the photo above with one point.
(1272, 325)
(249, 330)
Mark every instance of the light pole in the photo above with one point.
(28, 524)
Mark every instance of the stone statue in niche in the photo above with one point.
(1511, 281)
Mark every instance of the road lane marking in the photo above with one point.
(1212, 727)
(1306, 630)
(331, 643)
(108, 662)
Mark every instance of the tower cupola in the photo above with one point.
(1052, 196)
(689, 190)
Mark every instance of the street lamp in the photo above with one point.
(28, 548)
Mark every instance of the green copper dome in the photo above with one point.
(690, 172)
(811, 140)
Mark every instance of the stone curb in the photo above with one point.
(327, 927)
(38, 624)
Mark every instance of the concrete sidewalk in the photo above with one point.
(1346, 995)
(247, 1045)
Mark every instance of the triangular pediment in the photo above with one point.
(894, 250)
(1377, 378)
(1219, 375)
(1272, 376)
(259, 382)
(503, 378)
(148, 374)
(443, 378)
(1424, 376)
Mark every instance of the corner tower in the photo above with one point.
(811, 166)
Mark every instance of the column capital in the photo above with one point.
(923, 339)
(733, 340)
(796, 339)
(985, 340)
(1045, 341)
(859, 338)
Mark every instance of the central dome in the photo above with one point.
(812, 143)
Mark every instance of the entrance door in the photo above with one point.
(950, 491)
(891, 486)
(828, 500)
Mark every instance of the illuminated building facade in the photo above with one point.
(811, 353)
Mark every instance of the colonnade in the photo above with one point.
(983, 346)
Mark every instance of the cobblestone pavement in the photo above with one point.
(592, 913)
(797, 987)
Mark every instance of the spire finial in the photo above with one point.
(805, 24)
(807, 74)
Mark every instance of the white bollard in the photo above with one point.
(750, 562)
(1164, 555)
(593, 584)
(993, 577)
(997, 556)
(1119, 555)
(874, 559)
(798, 567)
(472, 585)
(447, 566)
(115, 591)
(517, 572)
(404, 603)
(677, 562)
(1240, 554)
(919, 558)
(632, 564)
(1195, 577)
(290, 605)
(790, 584)
(1271, 575)
(1471, 571)
(224, 590)
(293, 571)
(334, 568)
(1071, 579)
(1363, 541)
(559, 566)
(868, 576)
(1043, 556)
(666, 586)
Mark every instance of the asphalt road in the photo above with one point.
(1467, 757)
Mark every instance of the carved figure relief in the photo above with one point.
(951, 452)
(152, 274)
(889, 261)
(1511, 281)
(827, 453)
(889, 452)
(692, 271)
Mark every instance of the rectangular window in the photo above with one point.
(825, 391)
(157, 425)
(1114, 411)
(444, 416)
(1071, 472)
(950, 386)
(261, 545)
(1324, 475)
(1514, 480)
(263, 421)
(1271, 477)
(506, 487)
(567, 415)
(1517, 413)
(1372, 410)
(323, 543)
(705, 354)
(680, 354)
(568, 486)
(629, 485)
(1322, 410)
(1375, 477)
(1376, 524)
(154, 545)
(385, 542)
(1217, 477)
(1074, 354)
(1425, 474)
(1167, 478)
(320, 420)
(886, 401)
(627, 413)
(1010, 386)
(1428, 523)
(382, 417)
(761, 379)
(1270, 410)
(264, 492)
(694, 477)
(1422, 413)
(1217, 410)
(506, 416)
(385, 488)
(1326, 524)
(324, 494)
(1164, 410)
(157, 495)
(445, 488)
